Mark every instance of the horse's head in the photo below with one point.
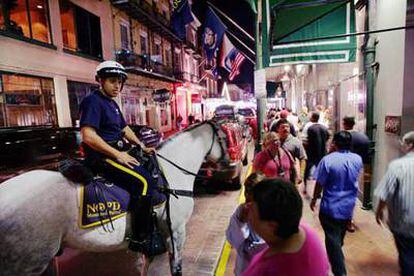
(218, 149)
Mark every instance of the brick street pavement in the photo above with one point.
(370, 250)
(205, 238)
(205, 235)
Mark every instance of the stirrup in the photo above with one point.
(139, 246)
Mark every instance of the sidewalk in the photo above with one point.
(169, 133)
(370, 250)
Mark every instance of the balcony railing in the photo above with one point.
(148, 14)
(132, 60)
(186, 76)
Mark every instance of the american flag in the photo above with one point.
(230, 58)
(235, 67)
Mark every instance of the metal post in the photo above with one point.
(261, 99)
(369, 60)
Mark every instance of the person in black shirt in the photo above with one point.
(360, 145)
(315, 144)
(360, 141)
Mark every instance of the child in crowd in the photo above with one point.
(239, 233)
(293, 248)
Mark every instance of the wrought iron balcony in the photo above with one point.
(147, 14)
(142, 63)
(186, 76)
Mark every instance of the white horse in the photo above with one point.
(39, 209)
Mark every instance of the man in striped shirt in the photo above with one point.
(396, 192)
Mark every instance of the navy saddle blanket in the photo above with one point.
(102, 201)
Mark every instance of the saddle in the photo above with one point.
(103, 201)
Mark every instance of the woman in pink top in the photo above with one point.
(293, 249)
(274, 160)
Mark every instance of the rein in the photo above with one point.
(181, 168)
(177, 193)
(223, 154)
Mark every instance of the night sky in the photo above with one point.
(240, 12)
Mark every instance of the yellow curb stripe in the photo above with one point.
(225, 252)
(224, 258)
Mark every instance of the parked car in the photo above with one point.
(237, 147)
(225, 111)
(250, 119)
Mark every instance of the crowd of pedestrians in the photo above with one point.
(267, 231)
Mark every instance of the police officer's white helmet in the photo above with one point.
(110, 68)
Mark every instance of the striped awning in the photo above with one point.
(289, 22)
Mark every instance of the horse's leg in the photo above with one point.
(143, 263)
(52, 269)
(176, 259)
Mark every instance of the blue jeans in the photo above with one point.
(405, 247)
(335, 230)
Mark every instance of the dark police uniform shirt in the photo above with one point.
(104, 115)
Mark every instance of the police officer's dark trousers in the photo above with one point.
(136, 182)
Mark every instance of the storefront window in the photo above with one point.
(353, 101)
(39, 18)
(68, 25)
(27, 101)
(77, 91)
(15, 19)
(2, 24)
(131, 110)
(81, 30)
(163, 114)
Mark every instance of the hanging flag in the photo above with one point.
(230, 58)
(213, 33)
(181, 16)
(212, 73)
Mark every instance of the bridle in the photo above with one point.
(176, 192)
(221, 140)
(222, 157)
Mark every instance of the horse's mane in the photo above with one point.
(175, 135)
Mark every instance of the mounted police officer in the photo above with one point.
(106, 139)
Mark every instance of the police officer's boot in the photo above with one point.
(142, 225)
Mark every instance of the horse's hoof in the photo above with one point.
(178, 273)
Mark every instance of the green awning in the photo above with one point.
(296, 20)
